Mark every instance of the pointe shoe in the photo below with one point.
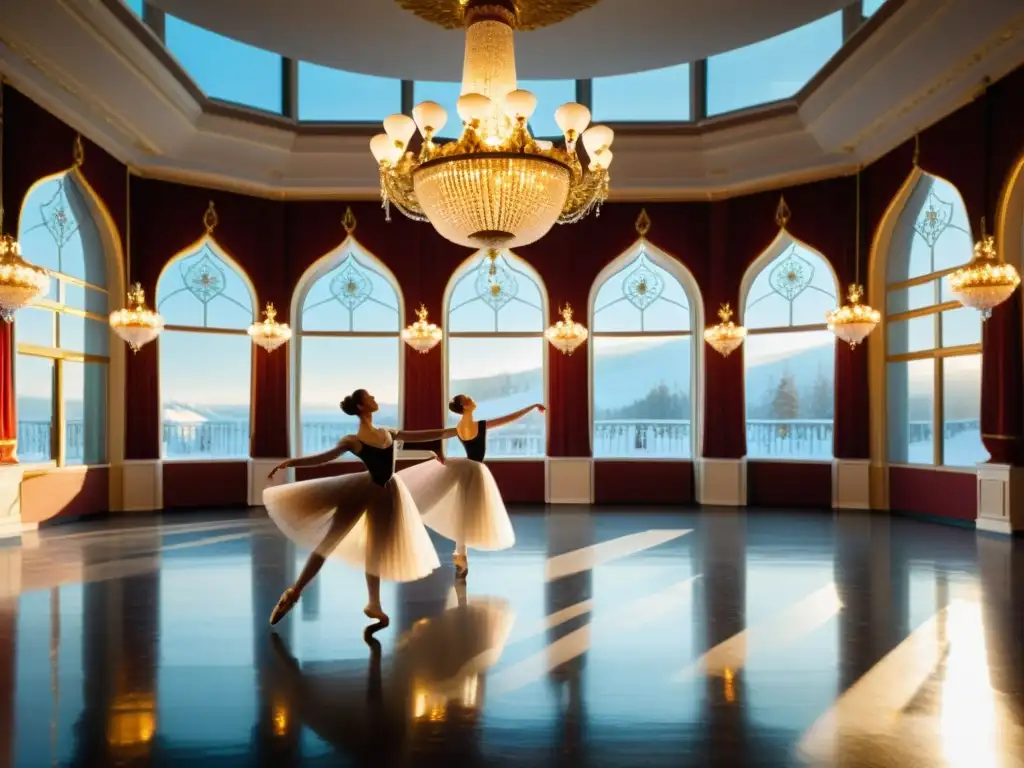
(461, 563)
(374, 611)
(285, 604)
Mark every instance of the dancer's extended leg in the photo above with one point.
(312, 567)
(461, 560)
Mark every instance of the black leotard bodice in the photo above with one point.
(476, 448)
(380, 462)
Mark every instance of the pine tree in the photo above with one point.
(786, 403)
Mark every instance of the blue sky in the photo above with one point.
(762, 72)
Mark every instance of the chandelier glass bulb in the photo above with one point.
(854, 321)
(269, 333)
(495, 186)
(725, 337)
(136, 324)
(421, 335)
(985, 283)
(21, 283)
(566, 335)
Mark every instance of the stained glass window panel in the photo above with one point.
(505, 299)
(203, 290)
(796, 288)
(351, 296)
(642, 296)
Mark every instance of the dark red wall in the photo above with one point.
(276, 241)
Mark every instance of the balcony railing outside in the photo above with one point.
(613, 438)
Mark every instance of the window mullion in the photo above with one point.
(57, 441)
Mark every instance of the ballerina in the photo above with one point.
(459, 498)
(367, 518)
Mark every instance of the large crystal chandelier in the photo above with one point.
(495, 186)
(136, 324)
(985, 283)
(421, 335)
(566, 335)
(21, 283)
(854, 321)
(725, 337)
(269, 333)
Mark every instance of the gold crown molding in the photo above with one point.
(993, 43)
(58, 78)
(532, 14)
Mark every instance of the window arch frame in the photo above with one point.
(312, 274)
(878, 342)
(113, 259)
(207, 240)
(469, 265)
(678, 270)
(782, 242)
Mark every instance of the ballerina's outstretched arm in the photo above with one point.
(424, 435)
(345, 444)
(501, 421)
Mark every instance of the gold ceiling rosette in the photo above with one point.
(531, 14)
(496, 186)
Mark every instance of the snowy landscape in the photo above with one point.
(641, 409)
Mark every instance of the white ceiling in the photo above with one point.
(378, 37)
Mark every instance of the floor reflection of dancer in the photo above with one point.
(460, 499)
(367, 518)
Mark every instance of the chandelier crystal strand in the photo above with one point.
(725, 337)
(269, 333)
(854, 321)
(422, 335)
(985, 283)
(566, 335)
(136, 324)
(21, 283)
(495, 186)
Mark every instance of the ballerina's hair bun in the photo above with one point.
(455, 404)
(349, 405)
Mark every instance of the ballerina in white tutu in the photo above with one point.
(368, 519)
(460, 499)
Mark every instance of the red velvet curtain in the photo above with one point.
(8, 413)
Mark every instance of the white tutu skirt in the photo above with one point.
(461, 501)
(380, 528)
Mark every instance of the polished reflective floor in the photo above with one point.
(603, 638)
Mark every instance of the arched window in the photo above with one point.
(347, 319)
(496, 349)
(642, 320)
(789, 354)
(205, 354)
(933, 345)
(63, 340)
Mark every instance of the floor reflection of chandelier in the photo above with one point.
(496, 186)
(421, 335)
(566, 335)
(136, 324)
(725, 337)
(21, 283)
(269, 333)
(985, 283)
(854, 321)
